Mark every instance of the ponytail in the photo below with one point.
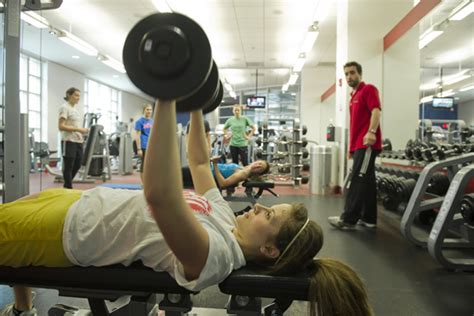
(336, 289)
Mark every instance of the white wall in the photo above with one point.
(466, 112)
(400, 92)
(132, 107)
(314, 114)
(58, 80)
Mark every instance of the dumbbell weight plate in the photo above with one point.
(167, 56)
(217, 100)
(203, 97)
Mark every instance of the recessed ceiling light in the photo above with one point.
(75, 57)
(115, 76)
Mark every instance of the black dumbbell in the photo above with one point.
(386, 145)
(447, 151)
(304, 130)
(390, 203)
(168, 56)
(404, 188)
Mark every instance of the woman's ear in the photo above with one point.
(270, 251)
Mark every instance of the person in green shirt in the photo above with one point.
(240, 135)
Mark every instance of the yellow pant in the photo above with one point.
(31, 230)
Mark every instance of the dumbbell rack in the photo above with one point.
(417, 204)
(294, 151)
(447, 217)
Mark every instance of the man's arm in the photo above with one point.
(370, 137)
(164, 194)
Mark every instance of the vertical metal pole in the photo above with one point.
(13, 151)
(24, 160)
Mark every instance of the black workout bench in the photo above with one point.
(261, 186)
(98, 284)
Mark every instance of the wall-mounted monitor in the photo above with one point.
(256, 102)
(443, 103)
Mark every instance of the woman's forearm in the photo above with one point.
(198, 153)
(162, 157)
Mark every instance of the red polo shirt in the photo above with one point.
(363, 101)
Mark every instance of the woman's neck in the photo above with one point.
(250, 254)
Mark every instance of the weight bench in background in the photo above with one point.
(98, 284)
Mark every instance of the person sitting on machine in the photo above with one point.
(103, 226)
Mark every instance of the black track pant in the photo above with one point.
(235, 152)
(361, 191)
(72, 157)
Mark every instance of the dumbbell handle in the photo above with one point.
(456, 149)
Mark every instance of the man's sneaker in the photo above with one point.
(337, 222)
(8, 311)
(368, 225)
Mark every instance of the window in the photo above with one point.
(278, 105)
(30, 96)
(99, 98)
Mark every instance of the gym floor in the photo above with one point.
(401, 279)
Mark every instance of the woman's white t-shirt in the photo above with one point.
(73, 118)
(109, 226)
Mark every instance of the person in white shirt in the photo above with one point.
(71, 135)
(104, 226)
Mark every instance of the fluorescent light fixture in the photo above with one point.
(426, 38)
(293, 79)
(426, 99)
(285, 87)
(456, 79)
(471, 87)
(227, 86)
(322, 10)
(310, 38)
(75, 57)
(462, 10)
(35, 20)
(162, 6)
(429, 86)
(113, 63)
(232, 94)
(447, 80)
(77, 43)
(299, 63)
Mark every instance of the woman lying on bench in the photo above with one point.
(229, 174)
(193, 236)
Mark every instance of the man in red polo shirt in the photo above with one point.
(365, 143)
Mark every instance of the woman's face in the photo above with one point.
(75, 97)
(258, 167)
(261, 225)
(148, 112)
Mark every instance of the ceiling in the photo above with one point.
(250, 39)
(450, 53)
